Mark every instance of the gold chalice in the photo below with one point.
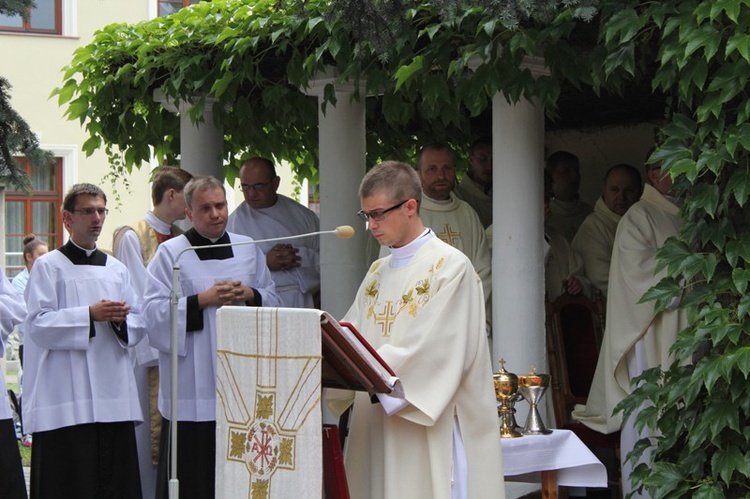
(533, 386)
(506, 388)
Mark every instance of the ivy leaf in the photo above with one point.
(220, 85)
(708, 38)
(740, 278)
(404, 73)
(739, 42)
(624, 24)
(726, 461)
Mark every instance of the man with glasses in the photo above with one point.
(421, 308)
(80, 396)
(265, 214)
(452, 220)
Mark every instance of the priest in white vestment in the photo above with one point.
(12, 482)
(435, 437)
(568, 210)
(636, 338)
(596, 236)
(210, 278)
(265, 214)
(452, 220)
(476, 186)
(80, 397)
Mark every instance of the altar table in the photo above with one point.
(559, 458)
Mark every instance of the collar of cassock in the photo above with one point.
(79, 256)
(209, 252)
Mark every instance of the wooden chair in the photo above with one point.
(575, 327)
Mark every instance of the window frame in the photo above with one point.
(27, 28)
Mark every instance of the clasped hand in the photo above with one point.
(282, 257)
(225, 293)
(109, 311)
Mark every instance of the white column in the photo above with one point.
(342, 150)
(517, 261)
(201, 143)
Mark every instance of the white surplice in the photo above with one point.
(294, 286)
(71, 378)
(12, 312)
(594, 241)
(196, 348)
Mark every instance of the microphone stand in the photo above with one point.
(344, 232)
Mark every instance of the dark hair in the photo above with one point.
(265, 162)
(168, 177)
(481, 141)
(434, 147)
(633, 171)
(30, 244)
(201, 183)
(69, 203)
(561, 157)
(397, 180)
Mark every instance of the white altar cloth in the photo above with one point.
(526, 457)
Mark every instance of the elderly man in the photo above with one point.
(452, 220)
(476, 186)
(568, 211)
(420, 307)
(135, 246)
(636, 337)
(80, 396)
(211, 277)
(596, 236)
(265, 214)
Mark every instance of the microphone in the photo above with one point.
(342, 231)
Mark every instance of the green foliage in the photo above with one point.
(250, 63)
(699, 53)
(16, 138)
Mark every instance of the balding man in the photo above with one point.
(265, 214)
(596, 236)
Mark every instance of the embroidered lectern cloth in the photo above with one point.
(268, 418)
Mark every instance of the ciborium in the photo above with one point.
(506, 388)
(533, 386)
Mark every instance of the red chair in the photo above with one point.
(575, 327)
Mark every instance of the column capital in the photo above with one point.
(329, 76)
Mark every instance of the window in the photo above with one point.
(45, 17)
(37, 212)
(167, 7)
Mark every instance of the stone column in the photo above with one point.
(518, 228)
(342, 150)
(200, 143)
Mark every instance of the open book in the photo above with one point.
(349, 361)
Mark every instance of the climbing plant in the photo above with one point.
(699, 52)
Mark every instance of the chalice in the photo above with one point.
(506, 388)
(533, 386)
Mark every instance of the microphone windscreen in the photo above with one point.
(344, 231)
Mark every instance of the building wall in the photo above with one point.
(599, 149)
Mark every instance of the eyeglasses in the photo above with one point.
(90, 211)
(256, 187)
(378, 215)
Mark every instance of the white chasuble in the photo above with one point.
(642, 230)
(427, 322)
(594, 241)
(268, 419)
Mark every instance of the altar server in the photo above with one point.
(80, 397)
(209, 278)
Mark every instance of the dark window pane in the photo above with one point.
(166, 8)
(43, 15)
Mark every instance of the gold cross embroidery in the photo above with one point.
(448, 235)
(386, 318)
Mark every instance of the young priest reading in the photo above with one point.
(422, 308)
